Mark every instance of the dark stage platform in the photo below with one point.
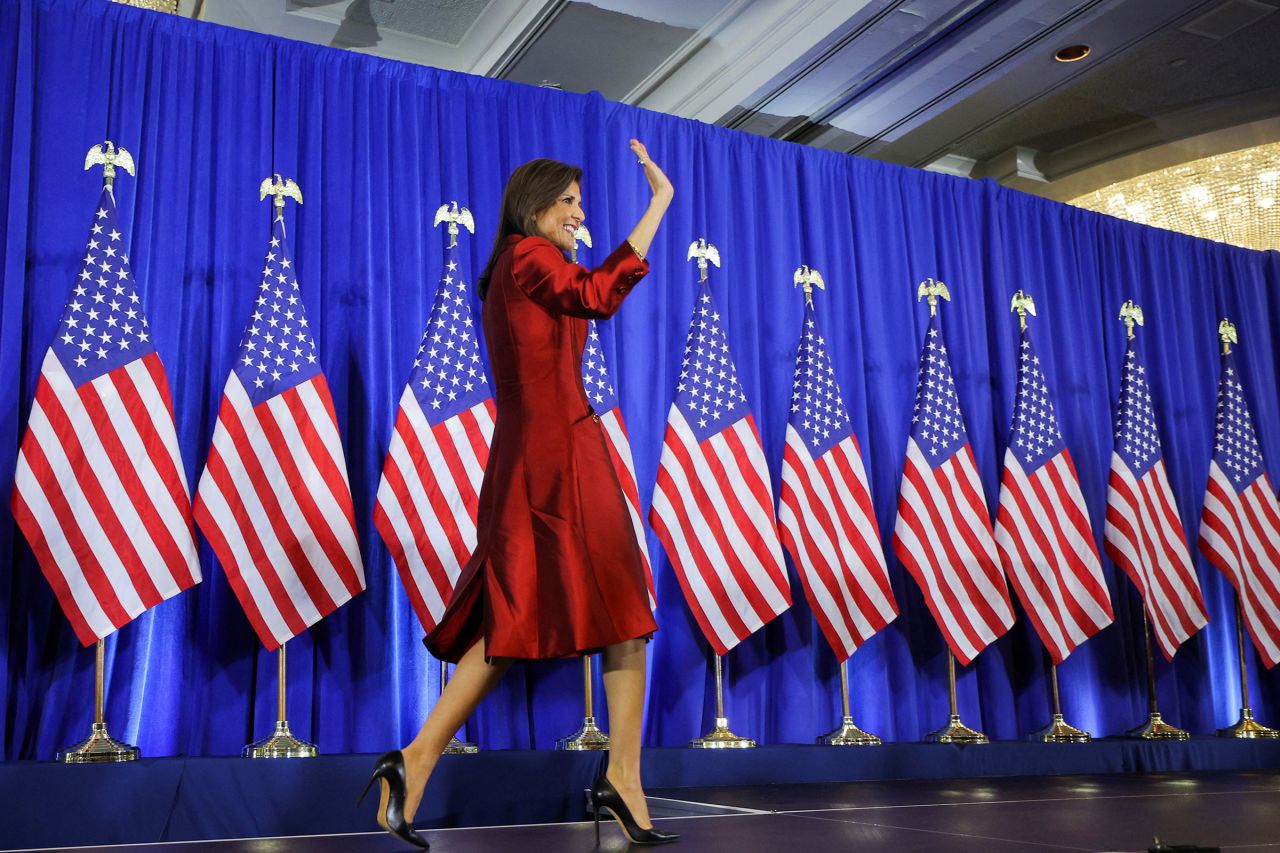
(1232, 811)
(791, 794)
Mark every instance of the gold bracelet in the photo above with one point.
(634, 249)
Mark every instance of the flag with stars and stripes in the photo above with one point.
(825, 514)
(1042, 523)
(1144, 535)
(99, 490)
(1240, 526)
(430, 487)
(274, 500)
(712, 506)
(599, 389)
(943, 532)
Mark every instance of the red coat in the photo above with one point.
(556, 570)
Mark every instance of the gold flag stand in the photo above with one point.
(281, 743)
(954, 731)
(1247, 726)
(588, 736)
(1059, 730)
(99, 746)
(455, 746)
(847, 734)
(1155, 728)
(721, 737)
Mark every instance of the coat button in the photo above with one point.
(595, 417)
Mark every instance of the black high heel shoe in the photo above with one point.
(390, 769)
(602, 795)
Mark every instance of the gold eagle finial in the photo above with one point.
(931, 290)
(807, 278)
(704, 252)
(1227, 334)
(455, 216)
(1131, 313)
(1023, 304)
(583, 235)
(108, 156)
(280, 188)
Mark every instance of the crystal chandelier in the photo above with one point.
(156, 5)
(1231, 198)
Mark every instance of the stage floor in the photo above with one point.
(1231, 810)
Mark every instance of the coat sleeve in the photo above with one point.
(542, 273)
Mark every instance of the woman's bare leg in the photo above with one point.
(624, 691)
(472, 679)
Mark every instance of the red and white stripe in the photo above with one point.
(1145, 538)
(828, 524)
(428, 498)
(943, 537)
(101, 495)
(713, 511)
(1240, 534)
(1047, 548)
(275, 503)
(615, 433)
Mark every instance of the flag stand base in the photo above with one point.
(98, 747)
(587, 737)
(956, 732)
(281, 744)
(1155, 728)
(1060, 731)
(849, 735)
(721, 737)
(460, 747)
(1248, 727)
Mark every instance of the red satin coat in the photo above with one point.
(556, 570)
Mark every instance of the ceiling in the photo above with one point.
(968, 87)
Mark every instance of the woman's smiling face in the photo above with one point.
(559, 221)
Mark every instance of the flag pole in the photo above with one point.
(847, 734)
(721, 736)
(1155, 728)
(281, 743)
(1059, 730)
(954, 731)
(99, 746)
(455, 746)
(1246, 726)
(588, 736)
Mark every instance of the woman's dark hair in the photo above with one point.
(532, 188)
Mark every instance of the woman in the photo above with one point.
(556, 570)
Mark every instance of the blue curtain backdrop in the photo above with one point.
(376, 146)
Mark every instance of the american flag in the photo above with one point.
(712, 507)
(825, 513)
(430, 487)
(274, 500)
(1144, 535)
(1240, 527)
(595, 381)
(1042, 523)
(943, 532)
(100, 492)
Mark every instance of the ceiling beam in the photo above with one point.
(738, 51)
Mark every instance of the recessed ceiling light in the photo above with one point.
(1073, 53)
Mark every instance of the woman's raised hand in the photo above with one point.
(659, 184)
